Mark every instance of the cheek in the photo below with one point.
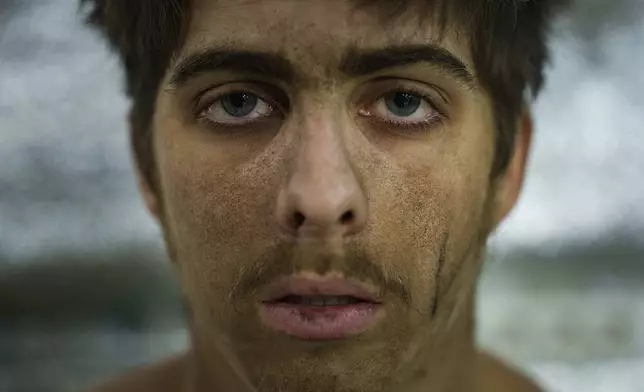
(425, 220)
(215, 216)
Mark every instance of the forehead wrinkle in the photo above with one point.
(313, 43)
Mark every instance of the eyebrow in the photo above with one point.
(248, 62)
(355, 62)
(359, 62)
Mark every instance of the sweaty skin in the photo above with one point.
(323, 179)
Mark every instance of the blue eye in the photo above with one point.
(403, 104)
(239, 104)
(403, 108)
(237, 108)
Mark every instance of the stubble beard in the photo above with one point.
(385, 371)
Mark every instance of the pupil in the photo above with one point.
(403, 104)
(239, 104)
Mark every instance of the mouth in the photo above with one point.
(312, 309)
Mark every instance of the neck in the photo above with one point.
(444, 357)
(447, 359)
(218, 371)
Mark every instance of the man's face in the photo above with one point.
(305, 148)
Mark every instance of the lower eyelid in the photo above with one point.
(427, 103)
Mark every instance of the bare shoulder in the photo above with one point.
(159, 377)
(501, 377)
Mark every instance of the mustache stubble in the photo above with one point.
(348, 258)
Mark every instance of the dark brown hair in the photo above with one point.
(508, 41)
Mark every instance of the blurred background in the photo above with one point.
(86, 291)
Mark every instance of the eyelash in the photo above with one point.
(422, 125)
(437, 119)
(202, 107)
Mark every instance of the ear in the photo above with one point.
(510, 183)
(141, 155)
(150, 198)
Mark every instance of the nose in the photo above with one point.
(322, 195)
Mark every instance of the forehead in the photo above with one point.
(311, 33)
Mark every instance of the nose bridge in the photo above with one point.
(323, 193)
(321, 159)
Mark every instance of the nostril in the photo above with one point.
(346, 218)
(298, 219)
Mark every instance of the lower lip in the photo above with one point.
(320, 322)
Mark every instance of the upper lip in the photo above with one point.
(301, 286)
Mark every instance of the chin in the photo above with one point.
(324, 373)
(280, 363)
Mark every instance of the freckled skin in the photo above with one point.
(422, 205)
